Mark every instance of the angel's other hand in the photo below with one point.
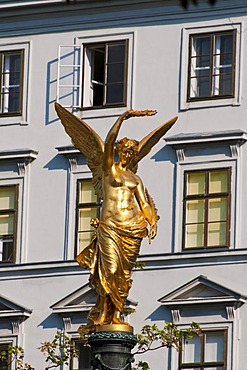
(139, 113)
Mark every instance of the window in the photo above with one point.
(5, 361)
(105, 74)
(212, 65)
(8, 222)
(206, 208)
(11, 83)
(88, 207)
(207, 351)
(83, 362)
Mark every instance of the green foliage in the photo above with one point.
(153, 338)
(59, 351)
(15, 354)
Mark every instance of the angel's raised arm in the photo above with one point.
(113, 133)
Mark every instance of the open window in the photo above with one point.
(96, 73)
(105, 74)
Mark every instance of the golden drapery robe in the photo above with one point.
(111, 257)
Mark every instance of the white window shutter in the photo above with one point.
(69, 76)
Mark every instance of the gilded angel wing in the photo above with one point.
(87, 141)
(146, 144)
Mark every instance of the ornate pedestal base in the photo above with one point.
(111, 347)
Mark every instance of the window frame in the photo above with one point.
(3, 53)
(80, 206)
(207, 196)
(15, 212)
(203, 365)
(87, 75)
(184, 104)
(80, 343)
(22, 117)
(4, 347)
(212, 54)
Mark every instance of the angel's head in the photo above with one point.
(126, 149)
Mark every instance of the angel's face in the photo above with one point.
(125, 155)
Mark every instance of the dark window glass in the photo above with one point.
(212, 66)
(11, 82)
(83, 361)
(108, 63)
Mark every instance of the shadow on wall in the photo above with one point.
(160, 314)
(63, 81)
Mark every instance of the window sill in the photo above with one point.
(209, 103)
(101, 112)
(12, 120)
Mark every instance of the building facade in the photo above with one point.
(98, 59)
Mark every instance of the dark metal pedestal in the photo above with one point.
(111, 347)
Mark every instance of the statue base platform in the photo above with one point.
(111, 347)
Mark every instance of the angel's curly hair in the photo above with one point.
(125, 142)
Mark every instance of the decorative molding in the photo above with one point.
(234, 150)
(73, 164)
(204, 292)
(67, 323)
(180, 154)
(21, 168)
(15, 326)
(230, 311)
(176, 315)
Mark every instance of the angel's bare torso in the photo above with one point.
(121, 188)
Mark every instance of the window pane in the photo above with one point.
(6, 249)
(217, 234)
(192, 350)
(218, 181)
(195, 183)
(226, 84)
(201, 45)
(217, 209)
(7, 198)
(85, 216)
(11, 81)
(87, 192)
(195, 211)
(214, 347)
(116, 53)
(115, 93)
(84, 358)
(224, 43)
(200, 86)
(98, 64)
(84, 239)
(6, 224)
(115, 72)
(4, 362)
(194, 236)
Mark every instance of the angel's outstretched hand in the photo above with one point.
(138, 113)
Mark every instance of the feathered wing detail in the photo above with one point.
(87, 141)
(146, 144)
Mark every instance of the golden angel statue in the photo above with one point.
(126, 211)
